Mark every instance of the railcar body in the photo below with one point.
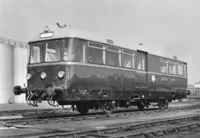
(76, 68)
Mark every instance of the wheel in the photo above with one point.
(108, 107)
(82, 108)
(140, 106)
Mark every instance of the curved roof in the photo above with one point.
(70, 32)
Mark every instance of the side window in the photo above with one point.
(95, 53)
(80, 50)
(112, 56)
(163, 67)
(172, 68)
(141, 61)
(180, 69)
(128, 59)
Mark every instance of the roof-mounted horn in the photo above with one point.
(63, 26)
(67, 26)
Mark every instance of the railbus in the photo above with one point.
(87, 71)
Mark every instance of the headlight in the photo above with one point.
(28, 76)
(43, 75)
(61, 74)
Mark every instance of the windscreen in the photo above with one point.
(47, 51)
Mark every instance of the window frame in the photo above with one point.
(62, 48)
(84, 46)
(185, 70)
(181, 64)
(114, 51)
(103, 52)
(172, 64)
(167, 67)
(141, 56)
(132, 54)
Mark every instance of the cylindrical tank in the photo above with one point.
(13, 60)
(20, 71)
(6, 72)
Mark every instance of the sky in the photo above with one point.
(164, 27)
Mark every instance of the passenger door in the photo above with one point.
(142, 70)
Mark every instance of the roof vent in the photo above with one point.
(174, 57)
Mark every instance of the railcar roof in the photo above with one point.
(70, 32)
(74, 33)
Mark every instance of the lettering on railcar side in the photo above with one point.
(164, 79)
(172, 79)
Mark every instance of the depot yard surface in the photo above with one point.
(105, 123)
(186, 134)
(24, 106)
(98, 124)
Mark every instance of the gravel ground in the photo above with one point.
(186, 134)
(110, 122)
(96, 124)
(24, 106)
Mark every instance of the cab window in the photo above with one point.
(53, 50)
(46, 51)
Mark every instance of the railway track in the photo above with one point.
(153, 128)
(148, 129)
(65, 117)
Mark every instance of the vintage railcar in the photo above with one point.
(91, 72)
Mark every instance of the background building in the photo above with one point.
(13, 59)
(197, 85)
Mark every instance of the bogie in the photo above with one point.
(163, 104)
(108, 106)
